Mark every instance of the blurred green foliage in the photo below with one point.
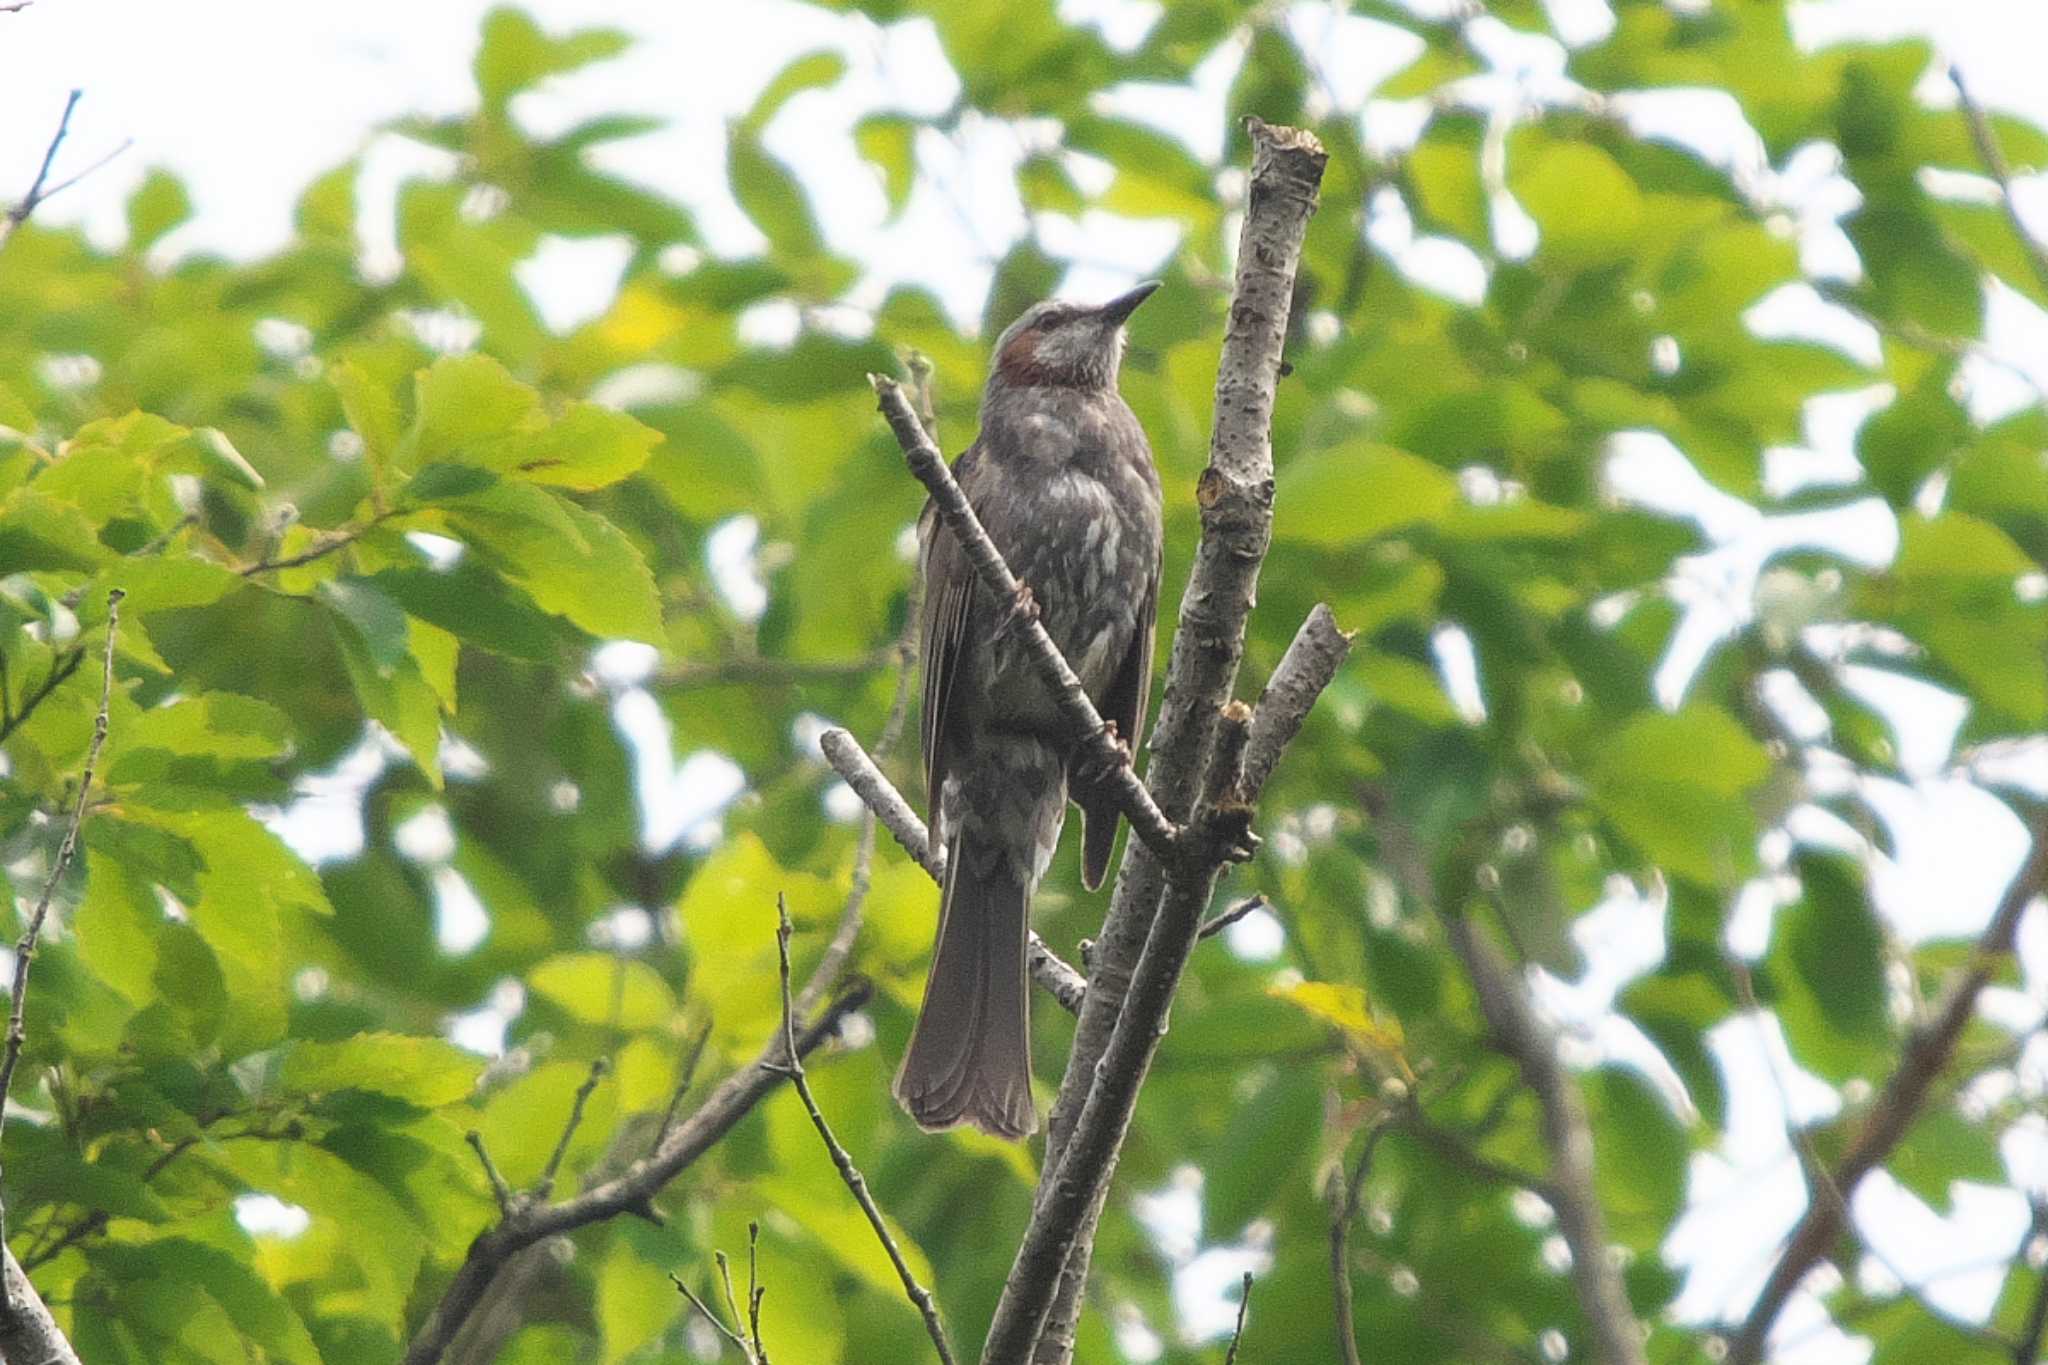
(263, 454)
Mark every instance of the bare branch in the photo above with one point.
(734, 1337)
(1158, 905)
(675, 1101)
(508, 1201)
(25, 948)
(1311, 661)
(1926, 1055)
(1216, 924)
(631, 1191)
(755, 1291)
(1453, 1148)
(324, 544)
(19, 214)
(1244, 1302)
(1092, 732)
(1993, 157)
(919, 1296)
(882, 799)
(1524, 1035)
(546, 1186)
(1345, 1212)
(61, 669)
(27, 1331)
(42, 189)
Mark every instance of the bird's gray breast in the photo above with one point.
(1080, 527)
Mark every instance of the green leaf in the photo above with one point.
(1407, 686)
(1350, 493)
(728, 914)
(569, 561)
(464, 404)
(476, 605)
(1955, 548)
(371, 411)
(426, 1072)
(1585, 206)
(811, 71)
(158, 205)
(260, 1316)
(635, 1301)
(1269, 1144)
(1827, 966)
(587, 447)
(1675, 785)
(1642, 1155)
(1942, 1148)
(603, 989)
(889, 142)
(372, 634)
(772, 198)
(516, 55)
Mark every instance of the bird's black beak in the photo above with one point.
(1117, 309)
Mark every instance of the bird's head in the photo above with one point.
(1067, 345)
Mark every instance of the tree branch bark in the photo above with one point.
(1157, 906)
(632, 1191)
(1926, 1055)
(1993, 156)
(887, 805)
(1526, 1037)
(29, 1335)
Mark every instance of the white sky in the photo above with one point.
(248, 99)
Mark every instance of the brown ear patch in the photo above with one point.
(1019, 359)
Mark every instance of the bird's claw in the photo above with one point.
(1023, 608)
(1101, 764)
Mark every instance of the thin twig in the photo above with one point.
(99, 1218)
(1453, 1148)
(631, 1191)
(689, 1074)
(18, 215)
(326, 544)
(1925, 1056)
(1216, 924)
(1244, 1301)
(25, 948)
(840, 949)
(881, 798)
(918, 1295)
(757, 670)
(1993, 157)
(1341, 1219)
(704, 1308)
(61, 669)
(725, 1279)
(508, 1202)
(42, 190)
(756, 1291)
(546, 1187)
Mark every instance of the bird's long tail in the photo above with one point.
(969, 1059)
